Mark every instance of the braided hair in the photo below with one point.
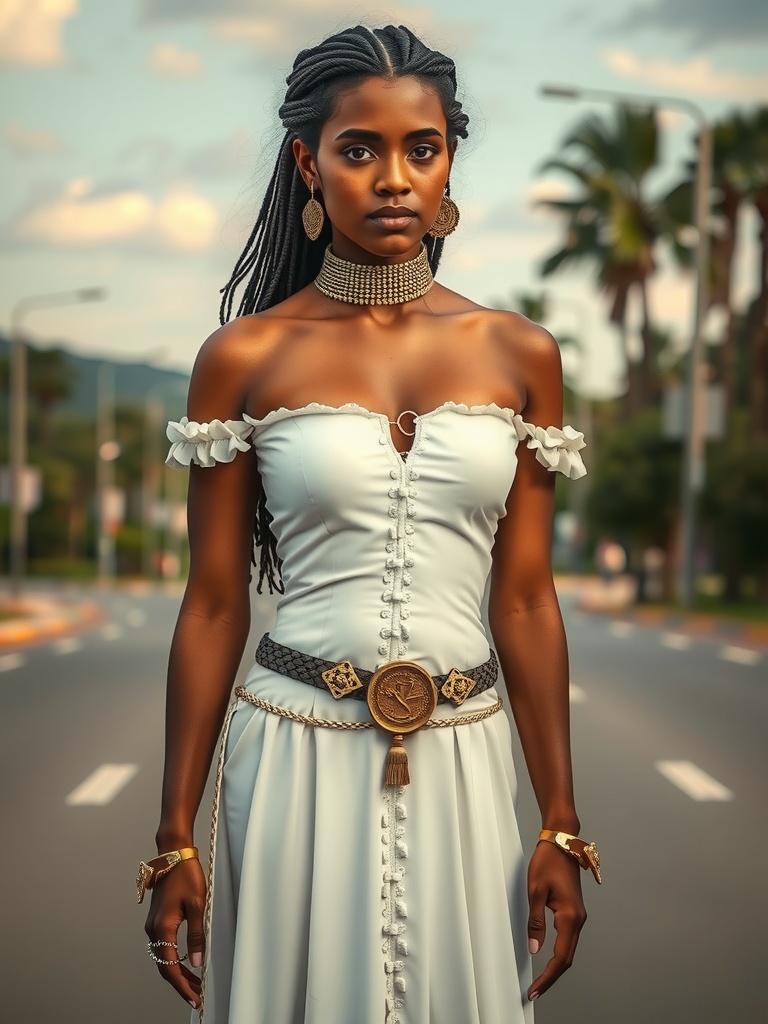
(279, 259)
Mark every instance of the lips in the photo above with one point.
(393, 218)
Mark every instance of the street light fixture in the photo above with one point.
(18, 418)
(693, 460)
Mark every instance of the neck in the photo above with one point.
(380, 284)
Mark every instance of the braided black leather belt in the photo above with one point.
(343, 679)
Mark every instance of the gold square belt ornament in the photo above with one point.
(341, 679)
(457, 687)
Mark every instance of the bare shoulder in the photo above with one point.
(226, 362)
(533, 357)
(530, 344)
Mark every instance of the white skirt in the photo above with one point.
(336, 900)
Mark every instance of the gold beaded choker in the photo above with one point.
(380, 284)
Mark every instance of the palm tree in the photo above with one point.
(612, 224)
(732, 158)
(758, 315)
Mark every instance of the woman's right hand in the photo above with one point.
(179, 896)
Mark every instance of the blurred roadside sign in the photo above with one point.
(674, 408)
(31, 487)
(113, 509)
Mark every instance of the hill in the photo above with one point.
(134, 381)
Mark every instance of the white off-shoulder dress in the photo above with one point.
(335, 899)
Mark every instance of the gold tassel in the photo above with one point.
(396, 772)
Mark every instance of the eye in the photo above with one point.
(357, 154)
(424, 152)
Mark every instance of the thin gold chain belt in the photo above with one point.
(401, 699)
(328, 723)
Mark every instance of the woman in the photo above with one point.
(368, 420)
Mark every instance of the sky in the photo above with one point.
(136, 137)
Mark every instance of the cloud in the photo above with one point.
(279, 31)
(31, 142)
(232, 156)
(703, 21)
(82, 216)
(697, 76)
(172, 10)
(31, 30)
(168, 60)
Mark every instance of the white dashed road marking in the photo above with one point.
(11, 661)
(740, 655)
(68, 645)
(135, 617)
(103, 785)
(693, 781)
(112, 631)
(622, 628)
(577, 695)
(677, 641)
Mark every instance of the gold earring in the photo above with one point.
(447, 218)
(313, 215)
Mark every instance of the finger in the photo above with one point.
(568, 924)
(176, 974)
(195, 931)
(537, 927)
(553, 970)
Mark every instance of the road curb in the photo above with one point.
(48, 620)
(729, 631)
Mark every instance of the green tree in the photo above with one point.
(758, 315)
(735, 507)
(50, 378)
(635, 487)
(736, 174)
(612, 224)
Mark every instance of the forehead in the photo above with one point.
(390, 106)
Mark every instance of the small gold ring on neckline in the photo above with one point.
(406, 412)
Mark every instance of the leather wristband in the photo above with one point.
(585, 853)
(150, 872)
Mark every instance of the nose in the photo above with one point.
(394, 179)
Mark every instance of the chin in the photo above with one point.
(393, 245)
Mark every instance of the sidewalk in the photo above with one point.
(617, 598)
(44, 617)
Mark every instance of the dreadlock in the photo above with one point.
(279, 259)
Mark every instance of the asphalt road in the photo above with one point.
(676, 934)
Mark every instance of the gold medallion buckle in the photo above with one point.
(401, 696)
(341, 679)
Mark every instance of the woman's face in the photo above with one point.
(382, 165)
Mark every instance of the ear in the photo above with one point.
(306, 163)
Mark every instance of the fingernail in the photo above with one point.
(533, 945)
(534, 996)
(192, 1003)
(196, 959)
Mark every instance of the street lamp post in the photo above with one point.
(18, 419)
(692, 481)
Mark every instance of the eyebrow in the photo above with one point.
(364, 133)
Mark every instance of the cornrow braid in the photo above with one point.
(279, 259)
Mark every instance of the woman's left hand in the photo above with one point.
(554, 882)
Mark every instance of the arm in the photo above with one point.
(528, 633)
(207, 644)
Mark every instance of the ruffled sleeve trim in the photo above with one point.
(556, 449)
(205, 444)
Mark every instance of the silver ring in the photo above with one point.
(406, 412)
(158, 959)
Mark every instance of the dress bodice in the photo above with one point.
(396, 549)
